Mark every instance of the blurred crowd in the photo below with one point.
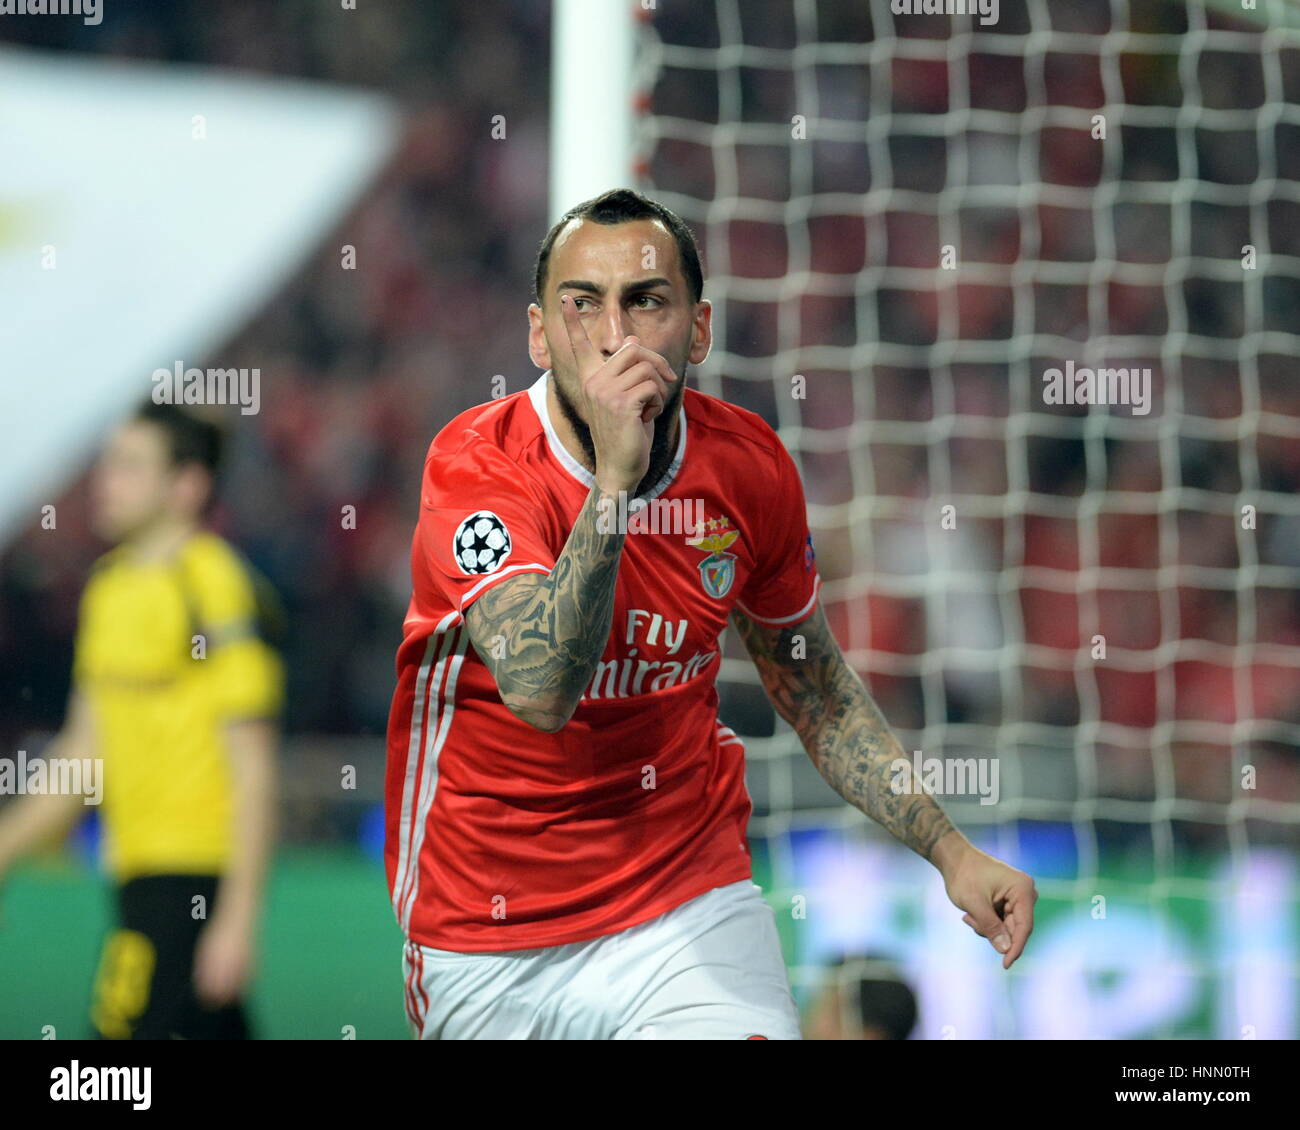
(1133, 533)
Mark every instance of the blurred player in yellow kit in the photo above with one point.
(177, 690)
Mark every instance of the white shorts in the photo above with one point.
(709, 969)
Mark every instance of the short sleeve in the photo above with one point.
(480, 522)
(245, 674)
(783, 587)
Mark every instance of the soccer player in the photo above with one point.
(177, 695)
(566, 815)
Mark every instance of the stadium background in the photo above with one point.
(822, 256)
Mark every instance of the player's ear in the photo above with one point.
(537, 347)
(701, 332)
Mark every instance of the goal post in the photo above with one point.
(591, 113)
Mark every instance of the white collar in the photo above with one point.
(537, 395)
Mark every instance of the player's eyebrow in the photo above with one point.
(630, 288)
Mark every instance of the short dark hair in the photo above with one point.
(621, 206)
(883, 999)
(189, 438)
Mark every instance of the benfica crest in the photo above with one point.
(718, 570)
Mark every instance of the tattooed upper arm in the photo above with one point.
(491, 620)
(541, 636)
(507, 626)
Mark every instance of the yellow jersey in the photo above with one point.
(167, 654)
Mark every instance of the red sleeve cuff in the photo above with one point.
(793, 618)
(493, 579)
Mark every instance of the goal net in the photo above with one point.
(1022, 296)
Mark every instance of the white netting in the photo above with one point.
(826, 153)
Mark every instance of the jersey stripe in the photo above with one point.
(728, 736)
(435, 738)
(414, 747)
(416, 777)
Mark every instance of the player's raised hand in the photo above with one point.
(998, 900)
(620, 398)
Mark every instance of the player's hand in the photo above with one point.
(223, 961)
(998, 900)
(619, 398)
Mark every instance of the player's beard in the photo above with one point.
(661, 453)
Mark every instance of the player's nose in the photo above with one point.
(614, 327)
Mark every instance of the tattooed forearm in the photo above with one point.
(541, 636)
(814, 689)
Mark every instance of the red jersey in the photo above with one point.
(503, 837)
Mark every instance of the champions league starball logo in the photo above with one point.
(481, 544)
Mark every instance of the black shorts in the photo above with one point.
(144, 989)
